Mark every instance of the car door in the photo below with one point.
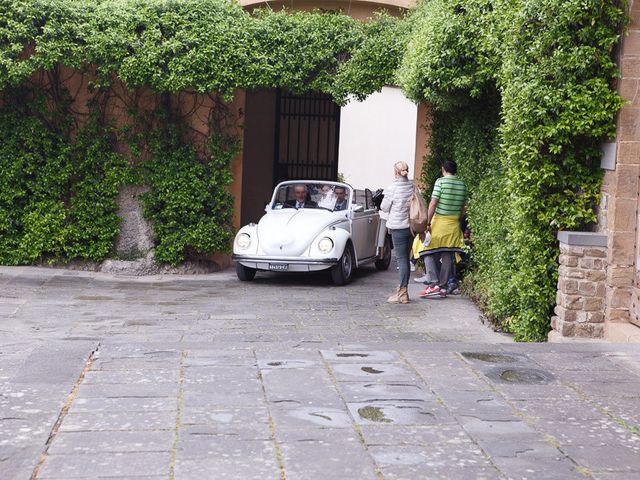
(358, 222)
(372, 224)
(364, 225)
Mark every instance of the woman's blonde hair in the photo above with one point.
(401, 168)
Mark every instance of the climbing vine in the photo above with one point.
(57, 190)
(533, 165)
(200, 45)
(61, 175)
(188, 203)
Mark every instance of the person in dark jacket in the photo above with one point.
(341, 198)
(300, 198)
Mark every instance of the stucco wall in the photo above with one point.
(258, 151)
(374, 134)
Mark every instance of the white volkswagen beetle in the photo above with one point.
(314, 225)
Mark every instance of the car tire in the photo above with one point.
(342, 273)
(384, 262)
(245, 274)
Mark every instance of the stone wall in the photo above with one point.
(620, 190)
(580, 301)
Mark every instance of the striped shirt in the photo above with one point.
(451, 193)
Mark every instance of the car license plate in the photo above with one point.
(279, 267)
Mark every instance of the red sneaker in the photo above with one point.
(430, 291)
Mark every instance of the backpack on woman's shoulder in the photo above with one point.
(418, 212)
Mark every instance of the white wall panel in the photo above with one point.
(374, 134)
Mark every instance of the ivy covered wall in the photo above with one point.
(201, 45)
(524, 96)
(105, 92)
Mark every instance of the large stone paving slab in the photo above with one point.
(111, 442)
(97, 465)
(319, 454)
(289, 378)
(399, 413)
(225, 457)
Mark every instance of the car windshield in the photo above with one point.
(312, 195)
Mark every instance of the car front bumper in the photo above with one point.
(294, 264)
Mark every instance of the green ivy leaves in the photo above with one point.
(534, 168)
(188, 202)
(453, 51)
(204, 45)
(57, 195)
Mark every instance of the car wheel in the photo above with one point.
(383, 263)
(245, 274)
(342, 273)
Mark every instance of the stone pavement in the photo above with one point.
(288, 377)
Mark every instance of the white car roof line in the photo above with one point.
(328, 182)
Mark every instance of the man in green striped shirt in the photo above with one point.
(449, 194)
(448, 204)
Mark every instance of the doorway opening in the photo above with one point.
(307, 132)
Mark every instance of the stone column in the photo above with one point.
(580, 301)
(136, 237)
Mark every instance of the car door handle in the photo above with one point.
(371, 220)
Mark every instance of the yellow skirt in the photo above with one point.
(446, 236)
(417, 248)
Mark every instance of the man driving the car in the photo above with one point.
(300, 198)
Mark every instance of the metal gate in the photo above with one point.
(306, 137)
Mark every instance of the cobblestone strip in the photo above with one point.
(178, 424)
(272, 423)
(63, 412)
(354, 423)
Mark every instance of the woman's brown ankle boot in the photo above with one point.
(395, 297)
(403, 295)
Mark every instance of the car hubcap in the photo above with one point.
(346, 264)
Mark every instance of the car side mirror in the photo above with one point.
(357, 208)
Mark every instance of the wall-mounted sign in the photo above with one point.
(608, 159)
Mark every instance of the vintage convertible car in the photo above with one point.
(314, 225)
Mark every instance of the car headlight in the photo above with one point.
(243, 241)
(325, 245)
